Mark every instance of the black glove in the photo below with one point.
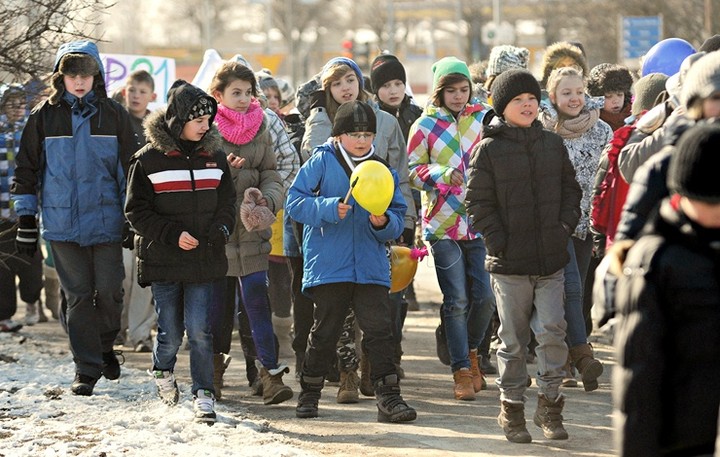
(219, 235)
(317, 99)
(26, 241)
(407, 238)
(128, 236)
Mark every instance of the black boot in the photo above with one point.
(390, 404)
(309, 396)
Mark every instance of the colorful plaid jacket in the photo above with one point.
(9, 145)
(439, 144)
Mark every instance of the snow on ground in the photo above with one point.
(39, 416)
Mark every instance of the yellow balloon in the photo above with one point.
(402, 268)
(374, 187)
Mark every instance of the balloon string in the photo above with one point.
(352, 186)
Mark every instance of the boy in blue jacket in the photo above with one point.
(345, 261)
(72, 162)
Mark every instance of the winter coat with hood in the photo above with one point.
(523, 197)
(340, 250)
(667, 339)
(389, 145)
(74, 152)
(247, 252)
(175, 186)
(584, 147)
(439, 144)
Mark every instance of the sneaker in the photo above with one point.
(204, 407)
(83, 385)
(144, 346)
(9, 325)
(111, 365)
(31, 313)
(166, 386)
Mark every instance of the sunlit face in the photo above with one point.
(357, 143)
(195, 129)
(456, 96)
(346, 89)
(137, 97)
(522, 110)
(78, 85)
(14, 109)
(236, 96)
(273, 98)
(705, 214)
(569, 96)
(614, 101)
(392, 93)
(711, 106)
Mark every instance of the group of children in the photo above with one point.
(510, 189)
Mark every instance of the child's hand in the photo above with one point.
(456, 179)
(187, 242)
(343, 209)
(235, 161)
(378, 221)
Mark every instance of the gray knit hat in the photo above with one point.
(702, 80)
(505, 57)
(646, 91)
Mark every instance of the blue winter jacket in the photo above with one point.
(340, 250)
(74, 156)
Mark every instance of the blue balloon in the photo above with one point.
(666, 56)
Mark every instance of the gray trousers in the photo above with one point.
(526, 303)
(91, 278)
(138, 315)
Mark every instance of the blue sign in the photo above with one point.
(639, 34)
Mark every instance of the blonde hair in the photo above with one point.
(559, 73)
(335, 73)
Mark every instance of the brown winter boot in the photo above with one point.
(274, 391)
(349, 383)
(366, 385)
(478, 377)
(549, 417)
(590, 368)
(220, 364)
(512, 421)
(464, 389)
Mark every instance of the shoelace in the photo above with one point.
(164, 382)
(204, 403)
(118, 354)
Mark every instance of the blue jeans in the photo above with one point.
(182, 306)
(468, 301)
(254, 290)
(574, 301)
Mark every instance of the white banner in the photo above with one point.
(119, 66)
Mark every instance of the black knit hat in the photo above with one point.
(511, 83)
(355, 116)
(694, 165)
(711, 44)
(384, 68)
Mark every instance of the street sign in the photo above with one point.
(639, 34)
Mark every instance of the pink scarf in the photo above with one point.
(239, 128)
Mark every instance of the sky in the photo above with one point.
(40, 417)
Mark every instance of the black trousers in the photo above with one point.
(374, 316)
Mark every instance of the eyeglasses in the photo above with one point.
(360, 135)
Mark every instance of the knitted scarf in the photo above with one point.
(239, 128)
(572, 128)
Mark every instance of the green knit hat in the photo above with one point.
(448, 65)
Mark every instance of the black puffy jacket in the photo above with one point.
(521, 190)
(666, 385)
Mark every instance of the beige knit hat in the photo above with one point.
(253, 216)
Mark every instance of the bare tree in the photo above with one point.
(34, 29)
(209, 18)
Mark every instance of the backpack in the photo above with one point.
(610, 196)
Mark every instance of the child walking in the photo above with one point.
(441, 141)
(72, 163)
(345, 261)
(181, 204)
(244, 128)
(584, 136)
(523, 197)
